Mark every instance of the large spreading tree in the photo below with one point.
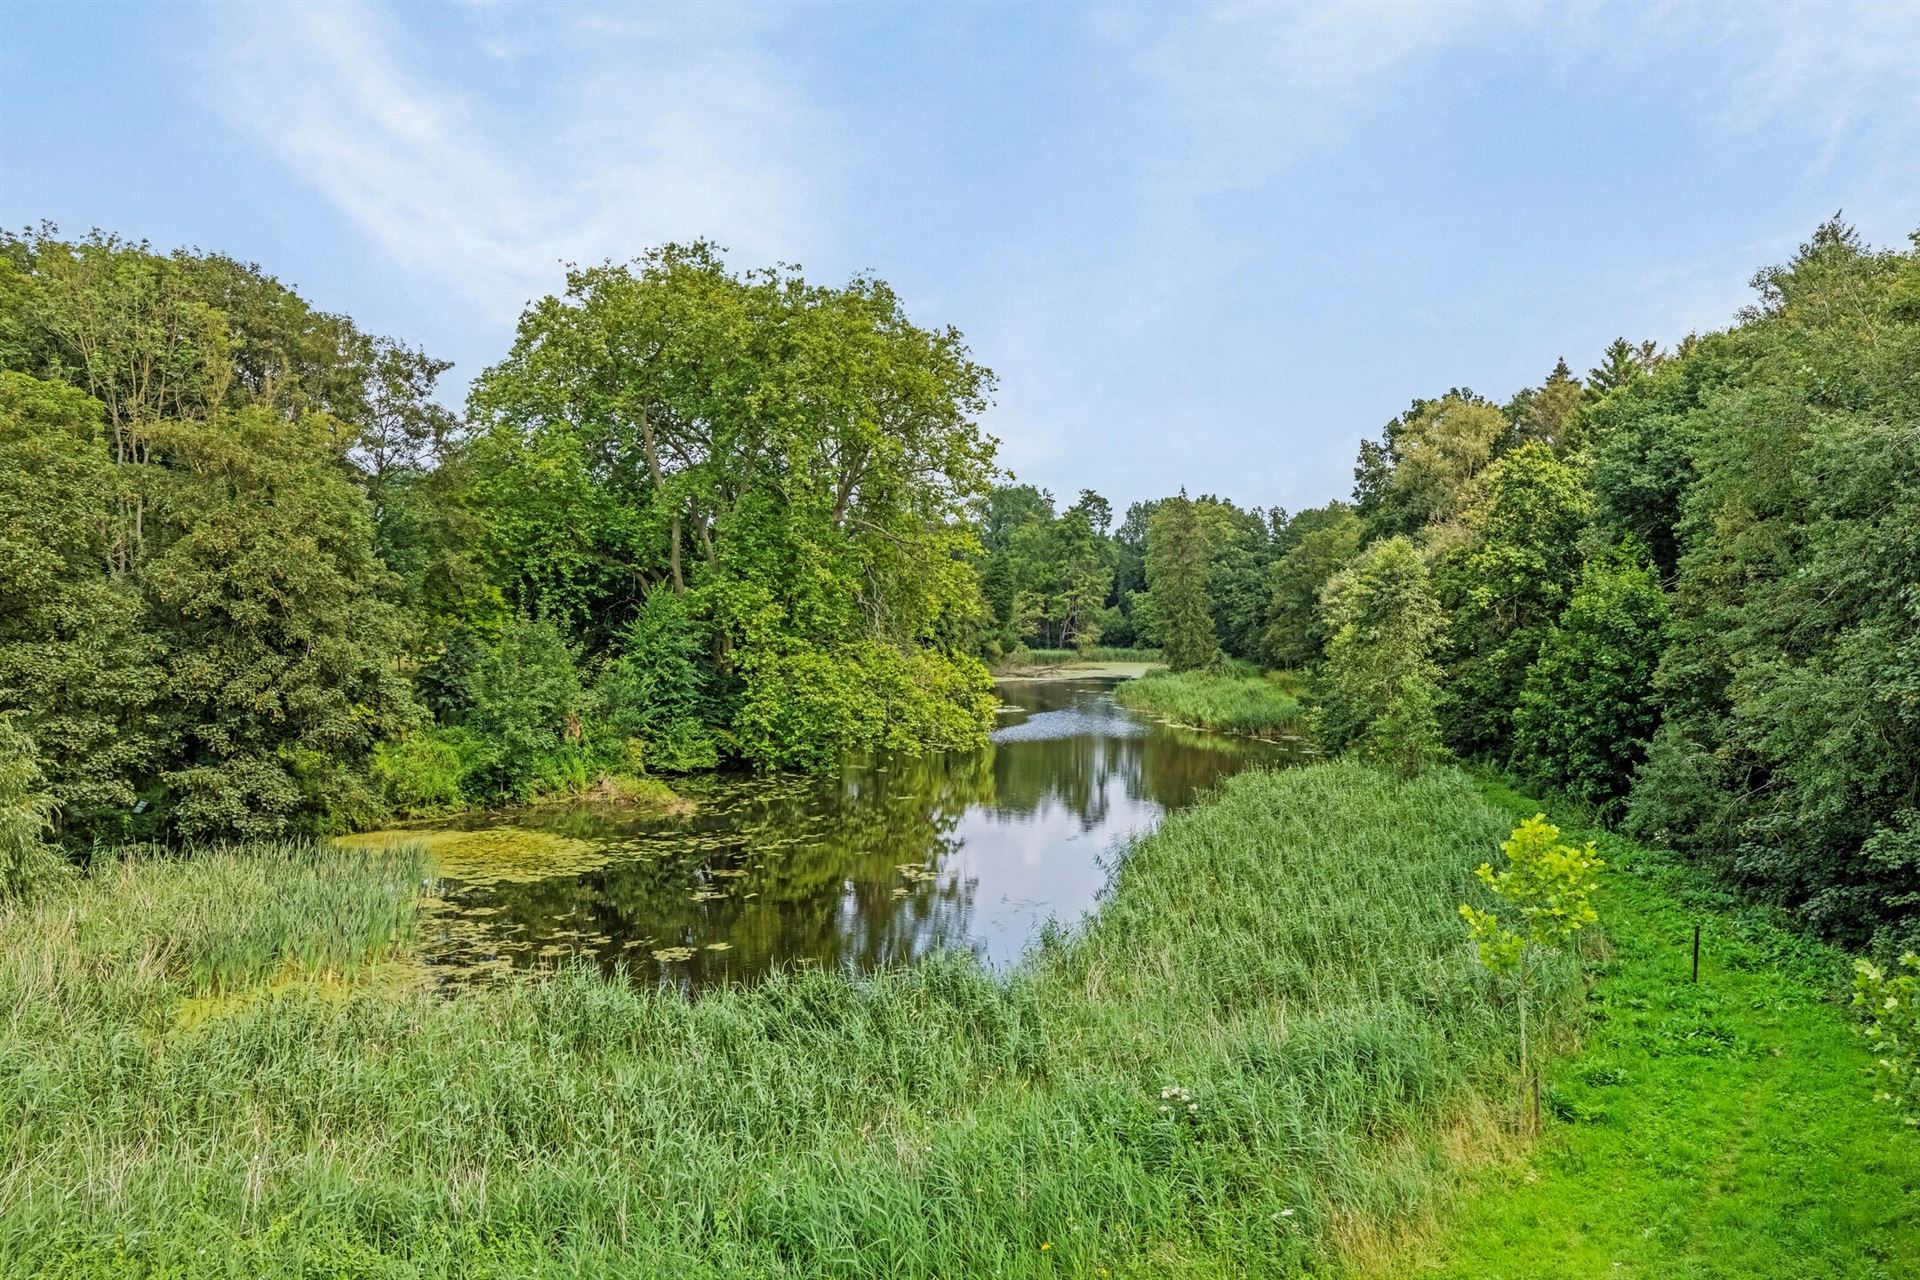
(797, 460)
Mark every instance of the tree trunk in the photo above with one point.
(1530, 1081)
(653, 467)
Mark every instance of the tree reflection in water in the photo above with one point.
(889, 860)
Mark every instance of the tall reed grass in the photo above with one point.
(1066, 657)
(1239, 702)
(1254, 1038)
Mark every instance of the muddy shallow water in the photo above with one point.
(874, 866)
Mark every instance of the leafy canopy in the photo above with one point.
(1549, 886)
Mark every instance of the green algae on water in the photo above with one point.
(494, 855)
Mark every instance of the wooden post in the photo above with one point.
(1696, 953)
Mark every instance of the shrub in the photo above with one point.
(431, 772)
(660, 689)
(1892, 1007)
(527, 697)
(804, 709)
(680, 746)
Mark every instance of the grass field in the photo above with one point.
(1724, 1130)
(1261, 706)
(1270, 1052)
(1265, 1044)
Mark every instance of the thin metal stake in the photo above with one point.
(1696, 953)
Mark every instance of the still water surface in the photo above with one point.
(873, 867)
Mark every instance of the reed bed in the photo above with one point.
(1260, 706)
(1067, 657)
(1258, 1036)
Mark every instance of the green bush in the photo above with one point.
(527, 698)
(661, 691)
(435, 771)
(804, 709)
(1891, 1004)
(570, 769)
(681, 746)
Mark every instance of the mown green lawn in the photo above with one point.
(1718, 1130)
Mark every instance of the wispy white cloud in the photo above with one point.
(524, 136)
(1835, 69)
(629, 133)
(1250, 87)
(1225, 99)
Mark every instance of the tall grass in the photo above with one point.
(1263, 706)
(1066, 657)
(150, 926)
(1251, 1041)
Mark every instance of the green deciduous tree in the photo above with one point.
(1239, 553)
(1587, 710)
(1423, 468)
(1503, 585)
(1789, 751)
(1380, 684)
(800, 460)
(262, 579)
(200, 637)
(77, 655)
(1322, 541)
(1550, 887)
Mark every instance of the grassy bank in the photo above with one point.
(1252, 1051)
(1099, 653)
(1262, 706)
(1724, 1129)
(1031, 660)
(452, 769)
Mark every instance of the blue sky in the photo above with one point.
(1202, 245)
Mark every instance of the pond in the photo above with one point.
(875, 866)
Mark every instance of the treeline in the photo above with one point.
(1684, 589)
(255, 579)
(1070, 579)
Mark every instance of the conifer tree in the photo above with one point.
(1177, 565)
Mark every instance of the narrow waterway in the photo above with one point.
(874, 866)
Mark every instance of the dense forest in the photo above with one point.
(256, 579)
(1684, 589)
